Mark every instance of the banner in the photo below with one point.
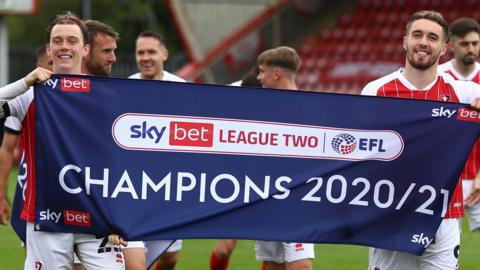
(162, 160)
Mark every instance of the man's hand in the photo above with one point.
(37, 75)
(474, 196)
(4, 211)
(116, 240)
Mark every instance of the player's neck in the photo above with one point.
(76, 70)
(287, 84)
(463, 69)
(420, 78)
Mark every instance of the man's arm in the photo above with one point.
(19, 87)
(6, 161)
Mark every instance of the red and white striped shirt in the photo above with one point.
(473, 162)
(443, 88)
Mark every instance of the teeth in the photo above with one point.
(65, 56)
(422, 53)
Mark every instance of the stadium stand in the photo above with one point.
(367, 43)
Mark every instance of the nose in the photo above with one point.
(470, 48)
(64, 45)
(112, 58)
(424, 40)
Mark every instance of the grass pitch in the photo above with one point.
(195, 254)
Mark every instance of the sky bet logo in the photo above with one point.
(70, 217)
(442, 112)
(345, 144)
(181, 133)
(153, 132)
(191, 134)
(75, 85)
(147, 132)
(421, 239)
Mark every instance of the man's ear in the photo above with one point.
(277, 73)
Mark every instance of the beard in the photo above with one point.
(469, 59)
(95, 68)
(418, 63)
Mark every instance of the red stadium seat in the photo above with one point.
(371, 34)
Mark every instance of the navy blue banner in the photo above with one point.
(162, 160)
(19, 225)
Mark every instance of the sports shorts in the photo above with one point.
(48, 250)
(282, 252)
(441, 254)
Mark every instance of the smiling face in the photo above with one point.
(424, 44)
(67, 48)
(150, 55)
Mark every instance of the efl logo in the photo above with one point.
(77, 218)
(75, 85)
(345, 144)
(470, 115)
(191, 134)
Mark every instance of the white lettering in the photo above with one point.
(129, 188)
(102, 182)
(61, 179)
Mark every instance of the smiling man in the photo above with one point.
(67, 46)
(424, 43)
(150, 54)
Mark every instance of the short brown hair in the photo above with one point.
(94, 27)
(284, 57)
(462, 26)
(431, 16)
(152, 34)
(68, 18)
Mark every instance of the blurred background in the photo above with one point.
(343, 44)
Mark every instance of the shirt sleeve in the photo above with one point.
(9, 92)
(18, 106)
(13, 125)
(466, 91)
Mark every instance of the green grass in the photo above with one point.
(195, 254)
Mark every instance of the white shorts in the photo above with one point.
(282, 252)
(135, 244)
(47, 250)
(473, 212)
(441, 254)
(175, 247)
